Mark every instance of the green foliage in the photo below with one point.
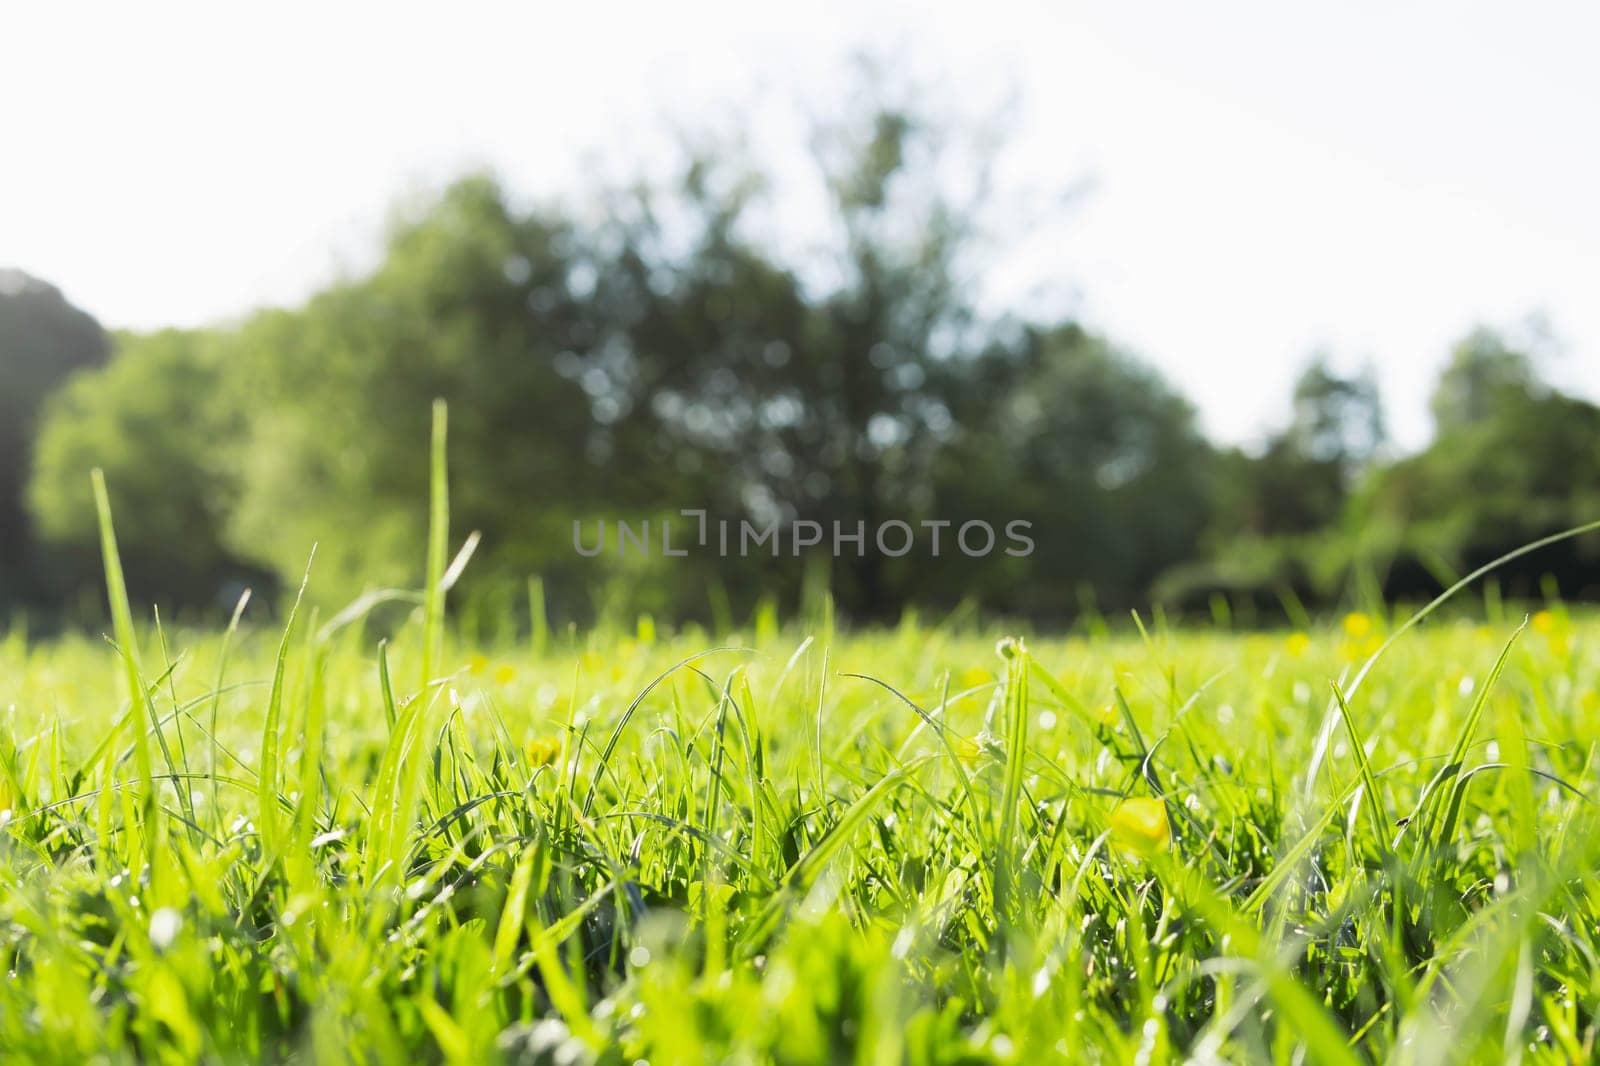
(780, 855)
(1318, 515)
(157, 421)
(629, 367)
(1485, 375)
(773, 858)
(43, 341)
(472, 305)
(1097, 452)
(653, 354)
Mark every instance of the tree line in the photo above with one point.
(658, 357)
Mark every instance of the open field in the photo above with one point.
(625, 847)
(991, 534)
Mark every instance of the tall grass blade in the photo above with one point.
(128, 645)
(438, 546)
(270, 822)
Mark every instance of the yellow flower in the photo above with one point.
(971, 687)
(1140, 827)
(1298, 644)
(543, 751)
(505, 674)
(972, 750)
(1544, 622)
(1357, 625)
(478, 664)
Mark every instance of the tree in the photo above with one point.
(1273, 511)
(44, 340)
(1099, 453)
(1301, 479)
(660, 358)
(1484, 376)
(158, 421)
(1513, 461)
(827, 403)
(1336, 419)
(490, 310)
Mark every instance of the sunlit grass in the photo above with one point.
(304, 840)
(773, 859)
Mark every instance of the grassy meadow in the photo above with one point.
(894, 845)
(320, 839)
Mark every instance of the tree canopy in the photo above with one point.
(659, 356)
(43, 341)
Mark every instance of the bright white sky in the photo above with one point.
(1368, 177)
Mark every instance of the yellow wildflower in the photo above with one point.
(972, 687)
(1357, 625)
(1140, 827)
(543, 751)
(1298, 644)
(1544, 622)
(478, 664)
(973, 750)
(505, 674)
(974, 677)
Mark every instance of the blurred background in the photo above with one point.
(1250, 312)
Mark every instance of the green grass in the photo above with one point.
(905, 845)
(634, 849)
